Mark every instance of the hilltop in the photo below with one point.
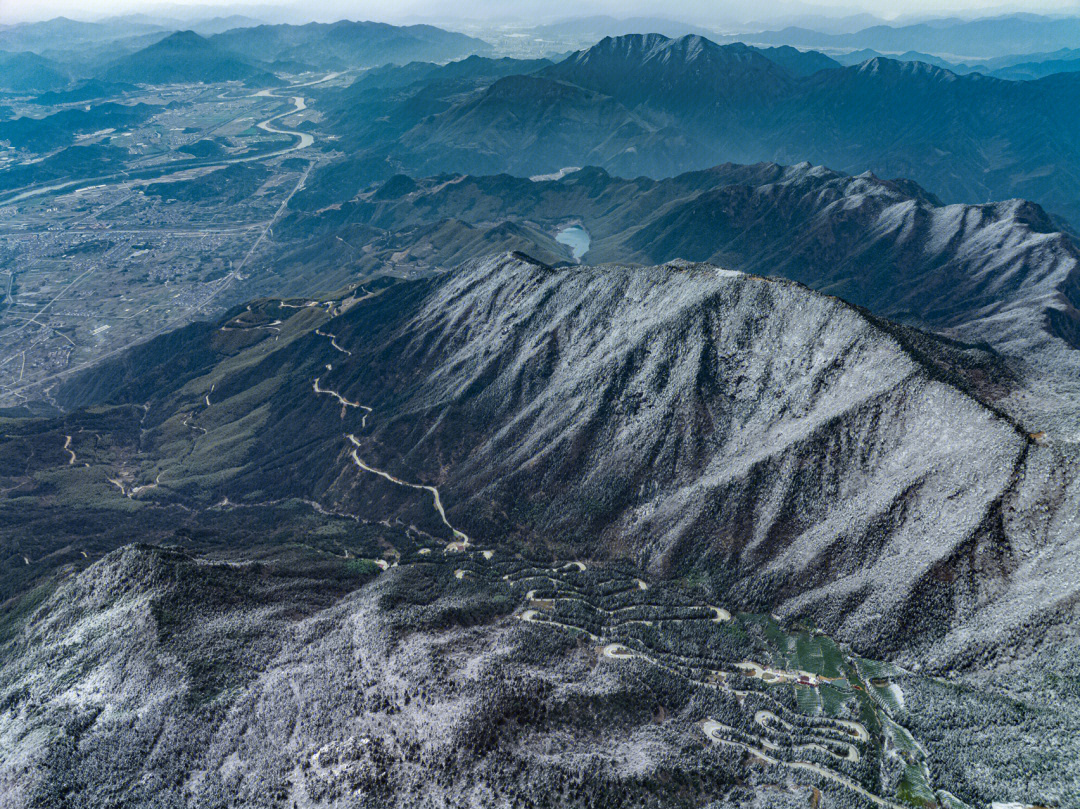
(185, 57)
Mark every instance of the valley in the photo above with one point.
(180, 254)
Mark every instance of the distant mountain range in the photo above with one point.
(1024, 67)
(90, 90)
(63, 33)
(61, 128)
(586, 30)
(658, 106)
(1037, 69)
(885, 245)
(988, 37)
(471, 70)
(673, 75)
(347, 44)
(205, 26)
(89, 49)
(186, 57)
(797, 62)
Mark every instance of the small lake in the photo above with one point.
(576, 238)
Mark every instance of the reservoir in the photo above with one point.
(576, 238)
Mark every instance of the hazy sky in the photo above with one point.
(705, 12)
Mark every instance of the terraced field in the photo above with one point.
(845, 717)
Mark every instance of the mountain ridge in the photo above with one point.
(184, 56)
(636, 69)
(347, 44)
(520, 376)
(885, 245)
(896, 119)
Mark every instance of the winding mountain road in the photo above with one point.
(835, 738)
(345, 403)
(462, 539)
(333, 342)
(716, 731)
(769, 721)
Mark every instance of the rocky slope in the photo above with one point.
(1001, 273)
(363, 494)
(733, 439)
(194, 683)
(802, 455)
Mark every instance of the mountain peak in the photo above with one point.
(644, 47)
(884, 66)
(184, 36)
(690, 71)
(182, 56)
